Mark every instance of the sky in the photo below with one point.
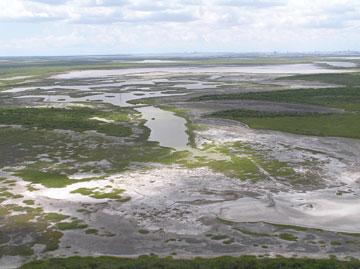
(85, 27)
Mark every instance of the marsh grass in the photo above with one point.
(225, 262)
(114, 194)
(339, 125)
(75, 119)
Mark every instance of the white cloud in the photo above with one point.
(44, 42)
(183, 25)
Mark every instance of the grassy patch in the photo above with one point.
(225, 262)
(123, 200)
(228, 242)
(249, 162)
(350, 234)
(76, 224)
(238, 167)
(292, 227)
(92, 231)
(228, 222)
(30, 224)
(47, 179)
(75, 119)
(348, 79)
(114, 194)
(288, 237)
(346, 97)
(219, 237)
(340, 125)
(69, 154)
(253, 233)
(29, 202)
(55, 217)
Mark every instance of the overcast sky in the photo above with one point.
(73, 27)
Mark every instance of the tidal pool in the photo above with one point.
(117, 99)
(261, 69)
(166, 128)
(82, 87)
(314, 209)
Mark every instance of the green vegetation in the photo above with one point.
(4, 193)
(92, 231)
(249, 162)
(75, 119)
(239, 113)
(341, 125)
(284, 236)
(346, 97)
(242, 168)
(47, 179)
(228, 242)
(347, 79)
(67, 154)
(350, 234)
(76, 224)
(225, 262)
(30, 224)
(123, 200)
(228, 222)
(29, 202)
(253, 233)
(143, 231)
(114, 194)
(219, 237)
(288, 237)
(291, 227)
(55, 217)
(335, 243)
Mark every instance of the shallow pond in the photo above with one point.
(261, 69)
(166, 128)
(117, 99)
(82, 87)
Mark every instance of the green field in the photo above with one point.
(347, 98)
(243, 262)
(347, 79)
(75, 119)
(340, 125)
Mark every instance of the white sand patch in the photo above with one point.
(101, 119)
(15, 78)
(65, 193)
(317, 209)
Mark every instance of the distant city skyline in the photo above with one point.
(88, 27)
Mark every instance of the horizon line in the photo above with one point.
(272, 53)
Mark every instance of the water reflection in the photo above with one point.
(166, 128)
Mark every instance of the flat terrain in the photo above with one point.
(195, 157)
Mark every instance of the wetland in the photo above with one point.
(179, 157)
